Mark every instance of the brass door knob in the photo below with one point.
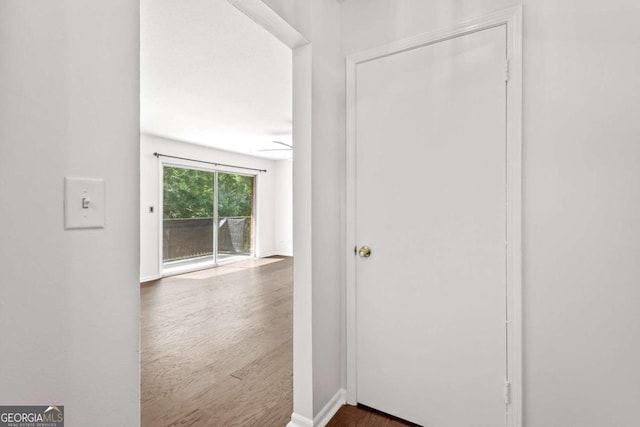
(365, 252)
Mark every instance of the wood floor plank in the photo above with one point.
(217, 347)
(356, 416)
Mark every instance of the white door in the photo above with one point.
(430, 203)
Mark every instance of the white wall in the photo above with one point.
(319, 22)
(69, 299)
(273, 190)
(581, 199)
(283, 214)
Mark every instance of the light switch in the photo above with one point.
(83, 203)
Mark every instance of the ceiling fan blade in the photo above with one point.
(282, 143)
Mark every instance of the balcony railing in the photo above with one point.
(185, 238)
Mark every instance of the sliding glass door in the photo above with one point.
(208, 217)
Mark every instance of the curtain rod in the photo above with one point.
(209, 163)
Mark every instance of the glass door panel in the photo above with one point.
(235, 216)
(188, 217)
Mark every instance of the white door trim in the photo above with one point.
(512, 18)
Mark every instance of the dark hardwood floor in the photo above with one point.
(217, 347)
(217, 350)
(356, 416)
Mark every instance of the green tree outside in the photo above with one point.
(188, 193)
(235, 195)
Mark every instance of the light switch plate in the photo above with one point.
(84, 203)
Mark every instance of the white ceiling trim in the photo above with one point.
(264, 16)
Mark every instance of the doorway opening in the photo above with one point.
(186, 323)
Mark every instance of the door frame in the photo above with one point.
(512, 19)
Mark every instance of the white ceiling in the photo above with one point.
(211, 76)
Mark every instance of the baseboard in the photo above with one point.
(150, 278)
(299, 421)
(330, 409)
(324, 416)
